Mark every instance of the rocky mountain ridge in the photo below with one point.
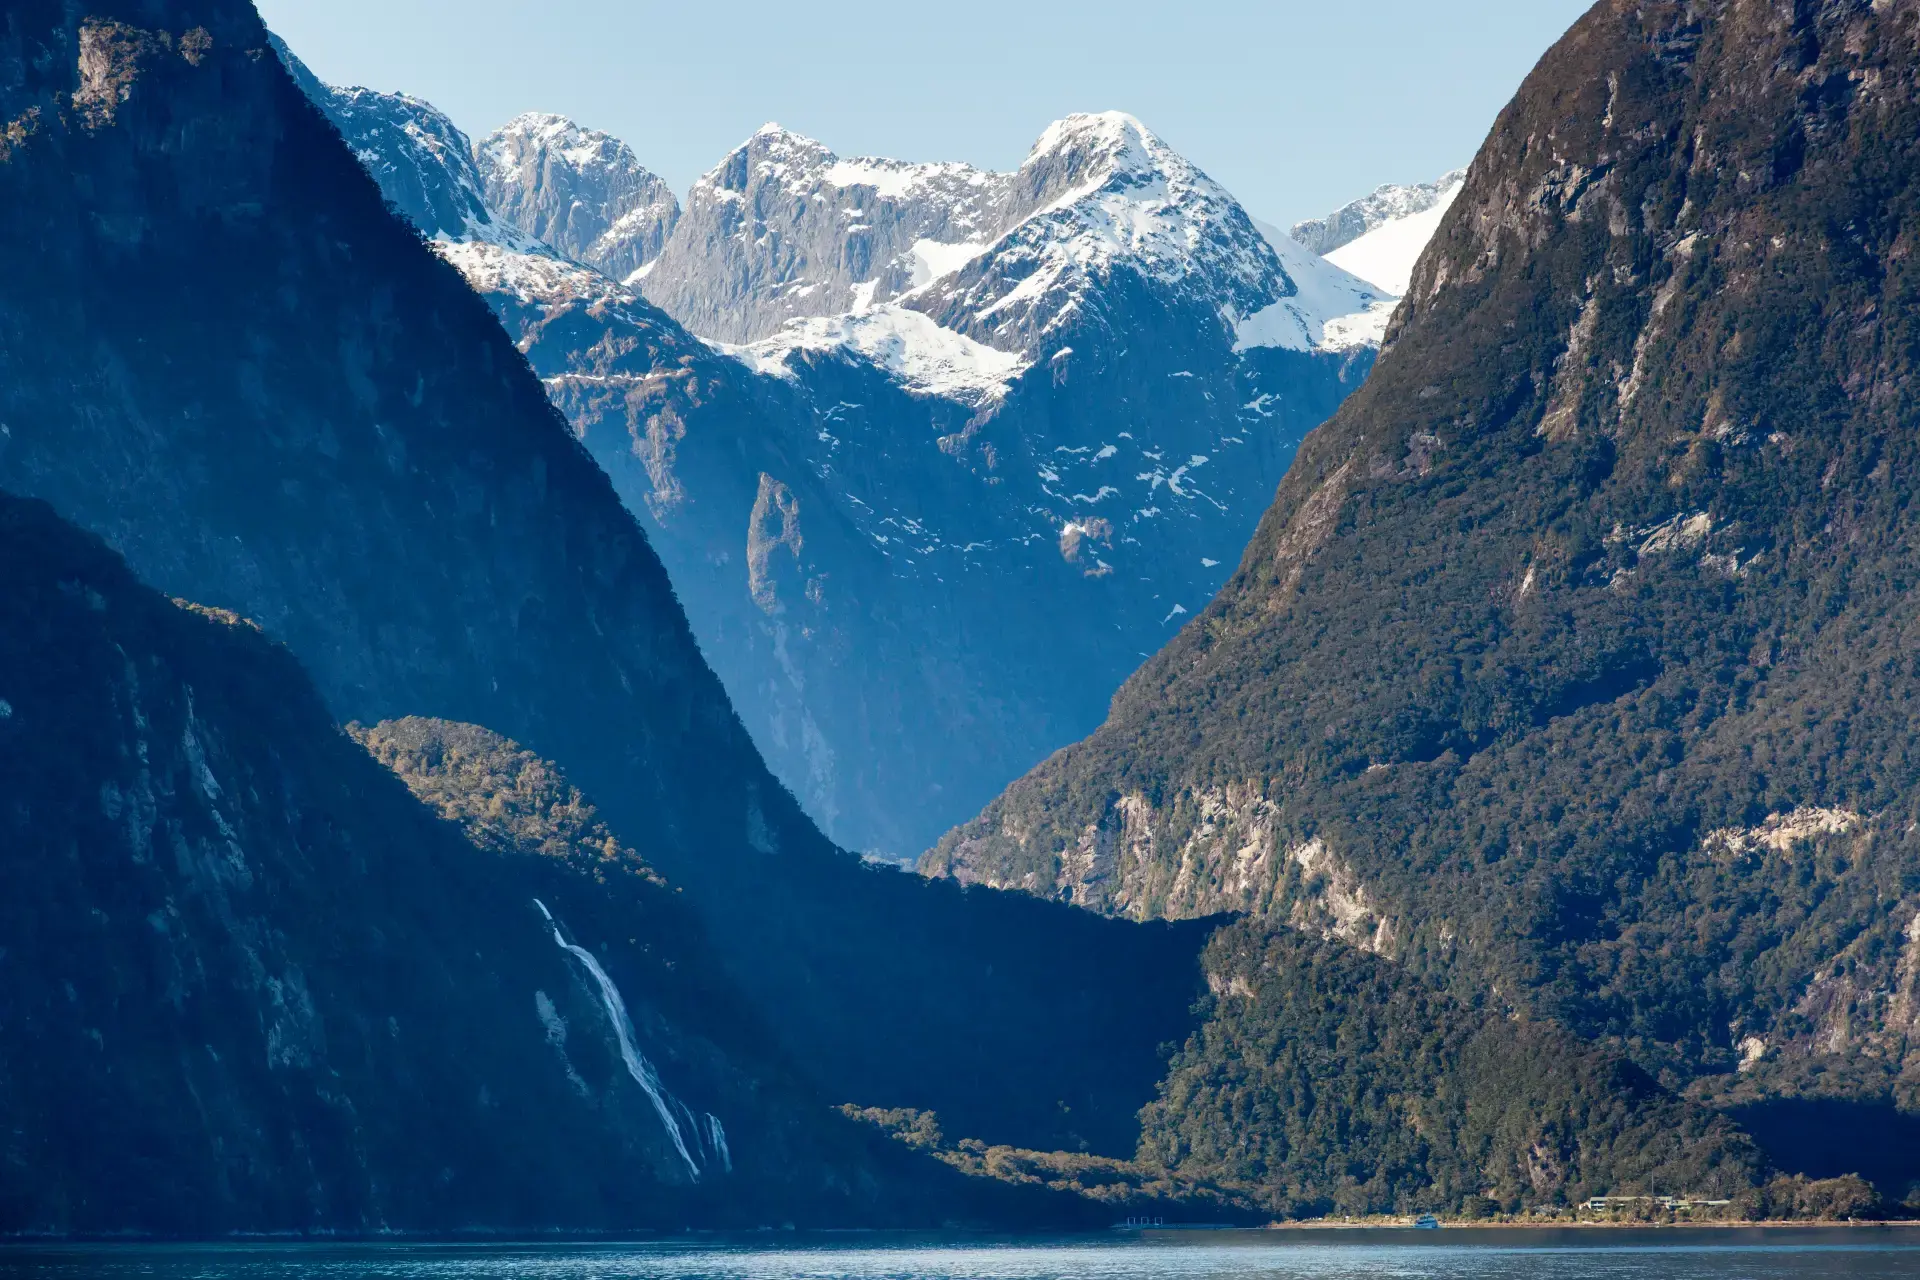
(1388, 203)
(784, 228)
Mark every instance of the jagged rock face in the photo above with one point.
(233, 364)
(579, 190)
(1593, 570)
(783, 228)
(253, 985)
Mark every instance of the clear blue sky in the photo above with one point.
(1296, 105)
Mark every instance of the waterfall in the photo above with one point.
(717, 1139)
(637, 1065)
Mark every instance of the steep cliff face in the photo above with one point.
(224, 356)
(784, 228)
(253, 985)
(582, 191)
(1564, 625)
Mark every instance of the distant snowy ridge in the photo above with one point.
(1389, 203)
(783, 233)
(1380, 237)
(783, 228)
(1320, 315)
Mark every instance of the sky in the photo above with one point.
(1297, 106)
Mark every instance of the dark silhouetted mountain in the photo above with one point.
(254, 985)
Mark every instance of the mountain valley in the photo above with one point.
(1407, 715)
(920, 549)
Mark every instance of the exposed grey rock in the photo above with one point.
(582, 191)
(783, 227)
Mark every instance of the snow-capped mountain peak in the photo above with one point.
(1102, 193)
(559, 136)
(783, 228)
(580, 190)
(1094, 147)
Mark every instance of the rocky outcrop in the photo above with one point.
(783, 228)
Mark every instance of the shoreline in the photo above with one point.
(1373, 1232)
(1462, 1224)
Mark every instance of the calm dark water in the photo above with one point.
(1452, 1255)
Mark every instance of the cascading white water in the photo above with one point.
(717, 1138)
(637, 1065)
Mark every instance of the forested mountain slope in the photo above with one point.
(253, 985)
(226, 357)
(1572, 666)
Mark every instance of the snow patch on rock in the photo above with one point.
(918, 353)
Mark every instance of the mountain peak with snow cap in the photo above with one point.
(1101, 196)
(1107, 143)
(783, 229)
(580, 190)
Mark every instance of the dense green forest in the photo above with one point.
(1571, 671)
